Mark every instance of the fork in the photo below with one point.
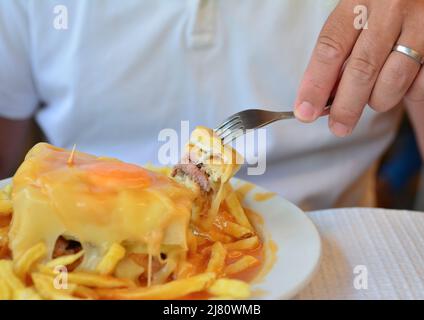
(237, 124)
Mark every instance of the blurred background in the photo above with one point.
(400, 183)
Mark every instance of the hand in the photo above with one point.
(363, 61)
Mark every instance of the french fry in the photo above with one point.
(7, 191)
(99, 281)
(237, 231)
(234, 254)
(85, 293)
(115, 253)
(240, 265)
(10, 279)
(170, 290)
(192, 243)
(5, 291)
(217, 260)
(7, 274)
(244, 244)
(26, 261)
(5, 207)
(217, 235)
(5, 201)
(242, 189)
(64, 260)
(91, 279)
(184, 270)
(4, 235)
(46, 289)
(230, 288)
(4, 240)
(236, 210)
(27, 294)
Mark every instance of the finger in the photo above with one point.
(361, 71)
(399, 70)
(334, 45)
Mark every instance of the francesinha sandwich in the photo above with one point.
(124, 231)
(95, 202)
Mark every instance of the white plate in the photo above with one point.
(297, 241)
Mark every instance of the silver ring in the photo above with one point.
(410, 53)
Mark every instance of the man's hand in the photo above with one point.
(363, 60)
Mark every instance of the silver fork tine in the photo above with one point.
(230, 128)
(231, 131)
(227, 122)
(232, 136)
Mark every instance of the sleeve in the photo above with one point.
(18, 97)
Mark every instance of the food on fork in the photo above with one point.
(121, 231)
(207, 161)
(206, 167)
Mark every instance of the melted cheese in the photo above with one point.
(96, 201)
(221, 162)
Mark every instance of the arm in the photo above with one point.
(16, 137)
(19, 98)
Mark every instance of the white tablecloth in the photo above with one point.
(387, 245)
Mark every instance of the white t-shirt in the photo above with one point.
(124, 70)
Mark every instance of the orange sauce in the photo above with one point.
(255, 218)
(243, 190)
(116, 173)
(201, 257)
(249, 274)
(5, 220)
(263, 196)
(270, 257)
(4, 223)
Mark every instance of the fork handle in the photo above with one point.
(290, 114)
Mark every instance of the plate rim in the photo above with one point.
(306, 219)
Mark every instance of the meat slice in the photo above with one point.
(65, 247)
(195, 173)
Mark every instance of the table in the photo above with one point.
(368, 254)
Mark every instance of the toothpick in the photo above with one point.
(149, 270)
(70, 161)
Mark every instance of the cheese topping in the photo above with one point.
(96, 201)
